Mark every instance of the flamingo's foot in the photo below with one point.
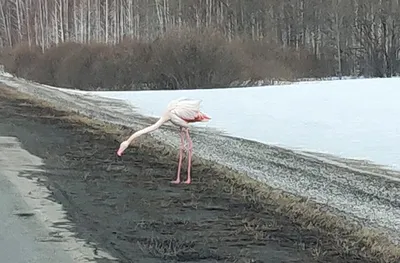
(175, 181)
(188, 181)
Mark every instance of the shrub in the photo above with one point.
(84, 67)
(180, 59)
(21, 60)
(132, 61)
(190, 59)
(49, 63)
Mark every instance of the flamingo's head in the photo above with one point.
(122, 147)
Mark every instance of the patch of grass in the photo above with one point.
(173, 248)
(258, 228)
(346, 238)
(165, 248)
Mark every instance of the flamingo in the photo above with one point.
(181, 112)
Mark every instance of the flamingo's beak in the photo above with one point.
(122, 148)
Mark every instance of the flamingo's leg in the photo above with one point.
(178, 176)
(190, 147)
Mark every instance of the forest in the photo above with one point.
(186, 44)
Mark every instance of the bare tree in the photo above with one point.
(348, 37)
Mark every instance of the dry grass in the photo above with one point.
(170, 248)
(181, 250)
(350, 238)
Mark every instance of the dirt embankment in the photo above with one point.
(128, 207)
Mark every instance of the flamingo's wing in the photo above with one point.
(184, 108)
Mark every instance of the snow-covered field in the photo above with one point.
(357, 118)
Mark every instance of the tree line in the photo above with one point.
(325, 38)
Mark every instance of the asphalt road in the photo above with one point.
(22, 235)
(27, 232)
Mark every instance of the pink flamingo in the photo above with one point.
(180, 112)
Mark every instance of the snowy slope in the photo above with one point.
(358, 118)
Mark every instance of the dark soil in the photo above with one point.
(128, 207)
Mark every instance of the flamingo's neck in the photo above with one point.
(148, 129)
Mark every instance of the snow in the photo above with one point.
(352, 118)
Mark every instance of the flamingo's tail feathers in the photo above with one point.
(202, 117)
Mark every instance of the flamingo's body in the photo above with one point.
(180, 112)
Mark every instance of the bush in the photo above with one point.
(86, 67)
(184, 59)
(266, 61)
(132, 61)
(48, 65)
(21, 60)
(189, 59)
